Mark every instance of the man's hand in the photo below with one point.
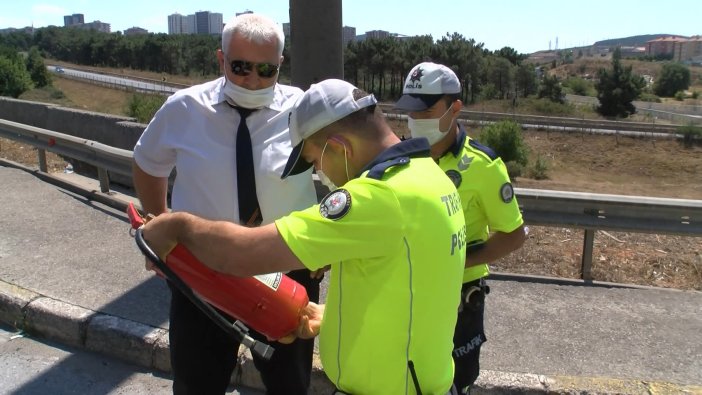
(310, 322)
(148, 265)
(160, 234)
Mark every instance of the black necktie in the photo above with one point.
(249, 213)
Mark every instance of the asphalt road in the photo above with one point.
(69, 248)
(111, 80)
(30, 366)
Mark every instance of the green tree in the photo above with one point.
(551, 89)
(352, 65)
(37, 69)
(174, 54)
(617, 88)
(14, 78)
(143, 107)
(512, 55)
(526, 80)
(474, 69)
(500, 73)
(18, 40)
(465, 58)
(578, 86)
(674, 78)
(506, 138)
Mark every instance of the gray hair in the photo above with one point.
(254, 27)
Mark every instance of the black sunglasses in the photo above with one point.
(264, 70)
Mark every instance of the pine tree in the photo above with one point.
(551, 89)
(617, 89)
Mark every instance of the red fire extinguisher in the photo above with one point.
(270, 303)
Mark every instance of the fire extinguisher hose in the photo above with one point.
(237, 329)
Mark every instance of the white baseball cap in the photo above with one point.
(321, 105)
(426, 83)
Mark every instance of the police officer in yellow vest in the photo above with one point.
(431, 97)
(393, 232)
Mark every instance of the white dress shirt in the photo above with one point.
(195, 132)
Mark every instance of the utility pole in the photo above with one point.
(316, 47)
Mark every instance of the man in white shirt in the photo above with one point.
(201, 132)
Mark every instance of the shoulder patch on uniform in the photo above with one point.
(484, 149)
(336, 204)
(455, 177)
(507, 192)
(464, 163)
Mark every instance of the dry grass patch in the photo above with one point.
(631, 258)
(91, 97)
(27, 155)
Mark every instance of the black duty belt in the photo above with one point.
(472, 287)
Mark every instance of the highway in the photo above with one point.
(111, 80)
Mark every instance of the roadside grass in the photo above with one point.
(82, 95)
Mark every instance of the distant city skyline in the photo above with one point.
(525, 26)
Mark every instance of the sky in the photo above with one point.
(527, 26)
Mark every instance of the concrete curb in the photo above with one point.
(143, 345)
(147, 346)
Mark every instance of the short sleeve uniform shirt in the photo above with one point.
(395, 239)
(195, 133)
(487, 196)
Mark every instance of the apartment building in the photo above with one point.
(201, 22)
(688, 50)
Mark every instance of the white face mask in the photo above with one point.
(429, 128)
(326, 181)
(247, 98)
(323, 177)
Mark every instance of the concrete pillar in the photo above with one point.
(316, 49)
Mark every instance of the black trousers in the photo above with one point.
(469, 335)
(203, 356)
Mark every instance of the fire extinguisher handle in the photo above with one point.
(237, 329)
(263, 350)
(259, 348)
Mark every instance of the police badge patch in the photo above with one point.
(336, 204)
(455, 177)
(507, 192)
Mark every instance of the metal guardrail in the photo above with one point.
(591, 212)
(682, 109)
(121, 83)
(152, 82)
(587, 211)
(104, 157)
(585, 125)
